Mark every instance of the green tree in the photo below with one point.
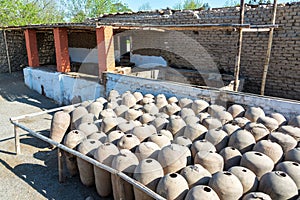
(145, 6)
(259, 1)
(189, 5)
(230, 3)
(79, 10)
(23, 12)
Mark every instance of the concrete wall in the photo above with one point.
(122, 83)
(60, 87)
(16, 49)
(218, 48)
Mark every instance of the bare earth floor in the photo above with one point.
(33, 174)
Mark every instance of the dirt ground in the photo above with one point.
(34, 173)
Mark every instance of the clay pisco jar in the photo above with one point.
(71, 140)
(279, 185)
(292, 169)
(125, 162)
(148, 172)
(172, 158)
(293, 155)
(59, 125)
(271, 149)
(196, 175)
(210, 160)
(247, 178)
(257, 162)
(232, 157)
(256, 195)
(220, 184)
(200, 192)
(86, 171)
(172, 186)
(104, 154)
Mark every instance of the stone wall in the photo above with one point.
(216, 49)
(17, 51)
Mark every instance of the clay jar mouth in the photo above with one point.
(258, 154)
(129, 136)
(184, 137)
(92, 142)
(107, 144)
(281, 174)
(148, 161)
(159, 134)
(76, 132)
(173, 175)
(243, 170)
(207, 189)
(296, 164)
(227, 173)
(233, 149)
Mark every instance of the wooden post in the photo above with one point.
(17, 140)
(268, 56)
(239, 48)
(61, 174)
(7, 53)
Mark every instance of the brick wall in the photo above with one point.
(217, 49)
(46, 48)
(85, 39)
(16, 49)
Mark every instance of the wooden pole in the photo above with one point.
(268, 56)
(61, 174)
(7, 53)
(17, 140)
(239, 48)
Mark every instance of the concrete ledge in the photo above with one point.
(122, 83)
(61, 87)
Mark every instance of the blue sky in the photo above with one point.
(158, 4)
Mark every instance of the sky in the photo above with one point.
(158, 4)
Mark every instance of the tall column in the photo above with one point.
(105, 45)
(31, 47)
(61, 49)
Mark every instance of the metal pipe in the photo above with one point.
(268, 55)
(92, 161)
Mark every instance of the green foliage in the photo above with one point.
(145, 6)
(79, 10)
(259, 2)
(189, 5)
(23, 12)
(230, 3)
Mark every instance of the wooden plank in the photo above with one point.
(249, 30)
(239, 48)
(61, 174)
(134, 26)
(7, 52)
(268, 55)
(17, 140)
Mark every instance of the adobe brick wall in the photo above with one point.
(16, 48)
(283, 79)
(46, 48)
